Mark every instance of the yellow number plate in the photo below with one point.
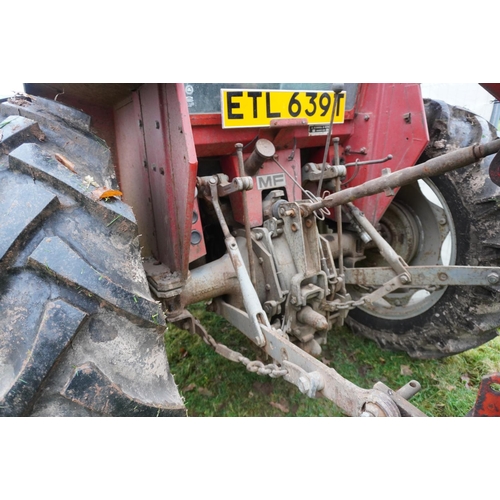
(257, 108)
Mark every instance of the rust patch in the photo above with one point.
(488, 399)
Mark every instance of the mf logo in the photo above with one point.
(270, 181)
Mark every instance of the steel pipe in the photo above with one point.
(264, 150)
(435, 166)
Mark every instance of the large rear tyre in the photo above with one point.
(80, 334)
(452, 219)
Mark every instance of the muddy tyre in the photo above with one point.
(80, 334)
(451, 219)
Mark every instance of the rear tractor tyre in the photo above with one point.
(452, 219)
(80, 334)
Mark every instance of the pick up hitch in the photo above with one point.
(311, 376)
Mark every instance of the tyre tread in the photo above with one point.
(73, 291)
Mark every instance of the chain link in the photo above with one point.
(272, 369)
(349, 304)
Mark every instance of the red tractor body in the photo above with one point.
(291, 207)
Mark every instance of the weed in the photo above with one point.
(6, 122)
(113, 221)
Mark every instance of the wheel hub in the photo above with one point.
(418, 225)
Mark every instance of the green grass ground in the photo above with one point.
(215, 387)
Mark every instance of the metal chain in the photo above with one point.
(349, 304)
(273, 370)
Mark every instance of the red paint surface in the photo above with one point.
(170, 148)
(488, 400)
(493, 89)
(387, 119)
(386, 132)
(254, 196)
(131, 155)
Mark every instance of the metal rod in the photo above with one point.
(393, 259)
(338, 215)
(327, 145)
(435, 166)
(409, 390)
(215, 200)
(248, 235)
(368, 162)
(250, 298)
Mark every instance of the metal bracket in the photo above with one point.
(385, 289)
(237, 184)
(423, 276)
(401, 396)
(224, 187)
(313, 172)
(162, 282)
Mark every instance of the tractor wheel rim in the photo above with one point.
(419, 225)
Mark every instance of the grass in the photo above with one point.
(215, 387)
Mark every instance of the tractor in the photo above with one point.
(288, 209)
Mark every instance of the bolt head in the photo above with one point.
(405, 279)
(493, 278)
